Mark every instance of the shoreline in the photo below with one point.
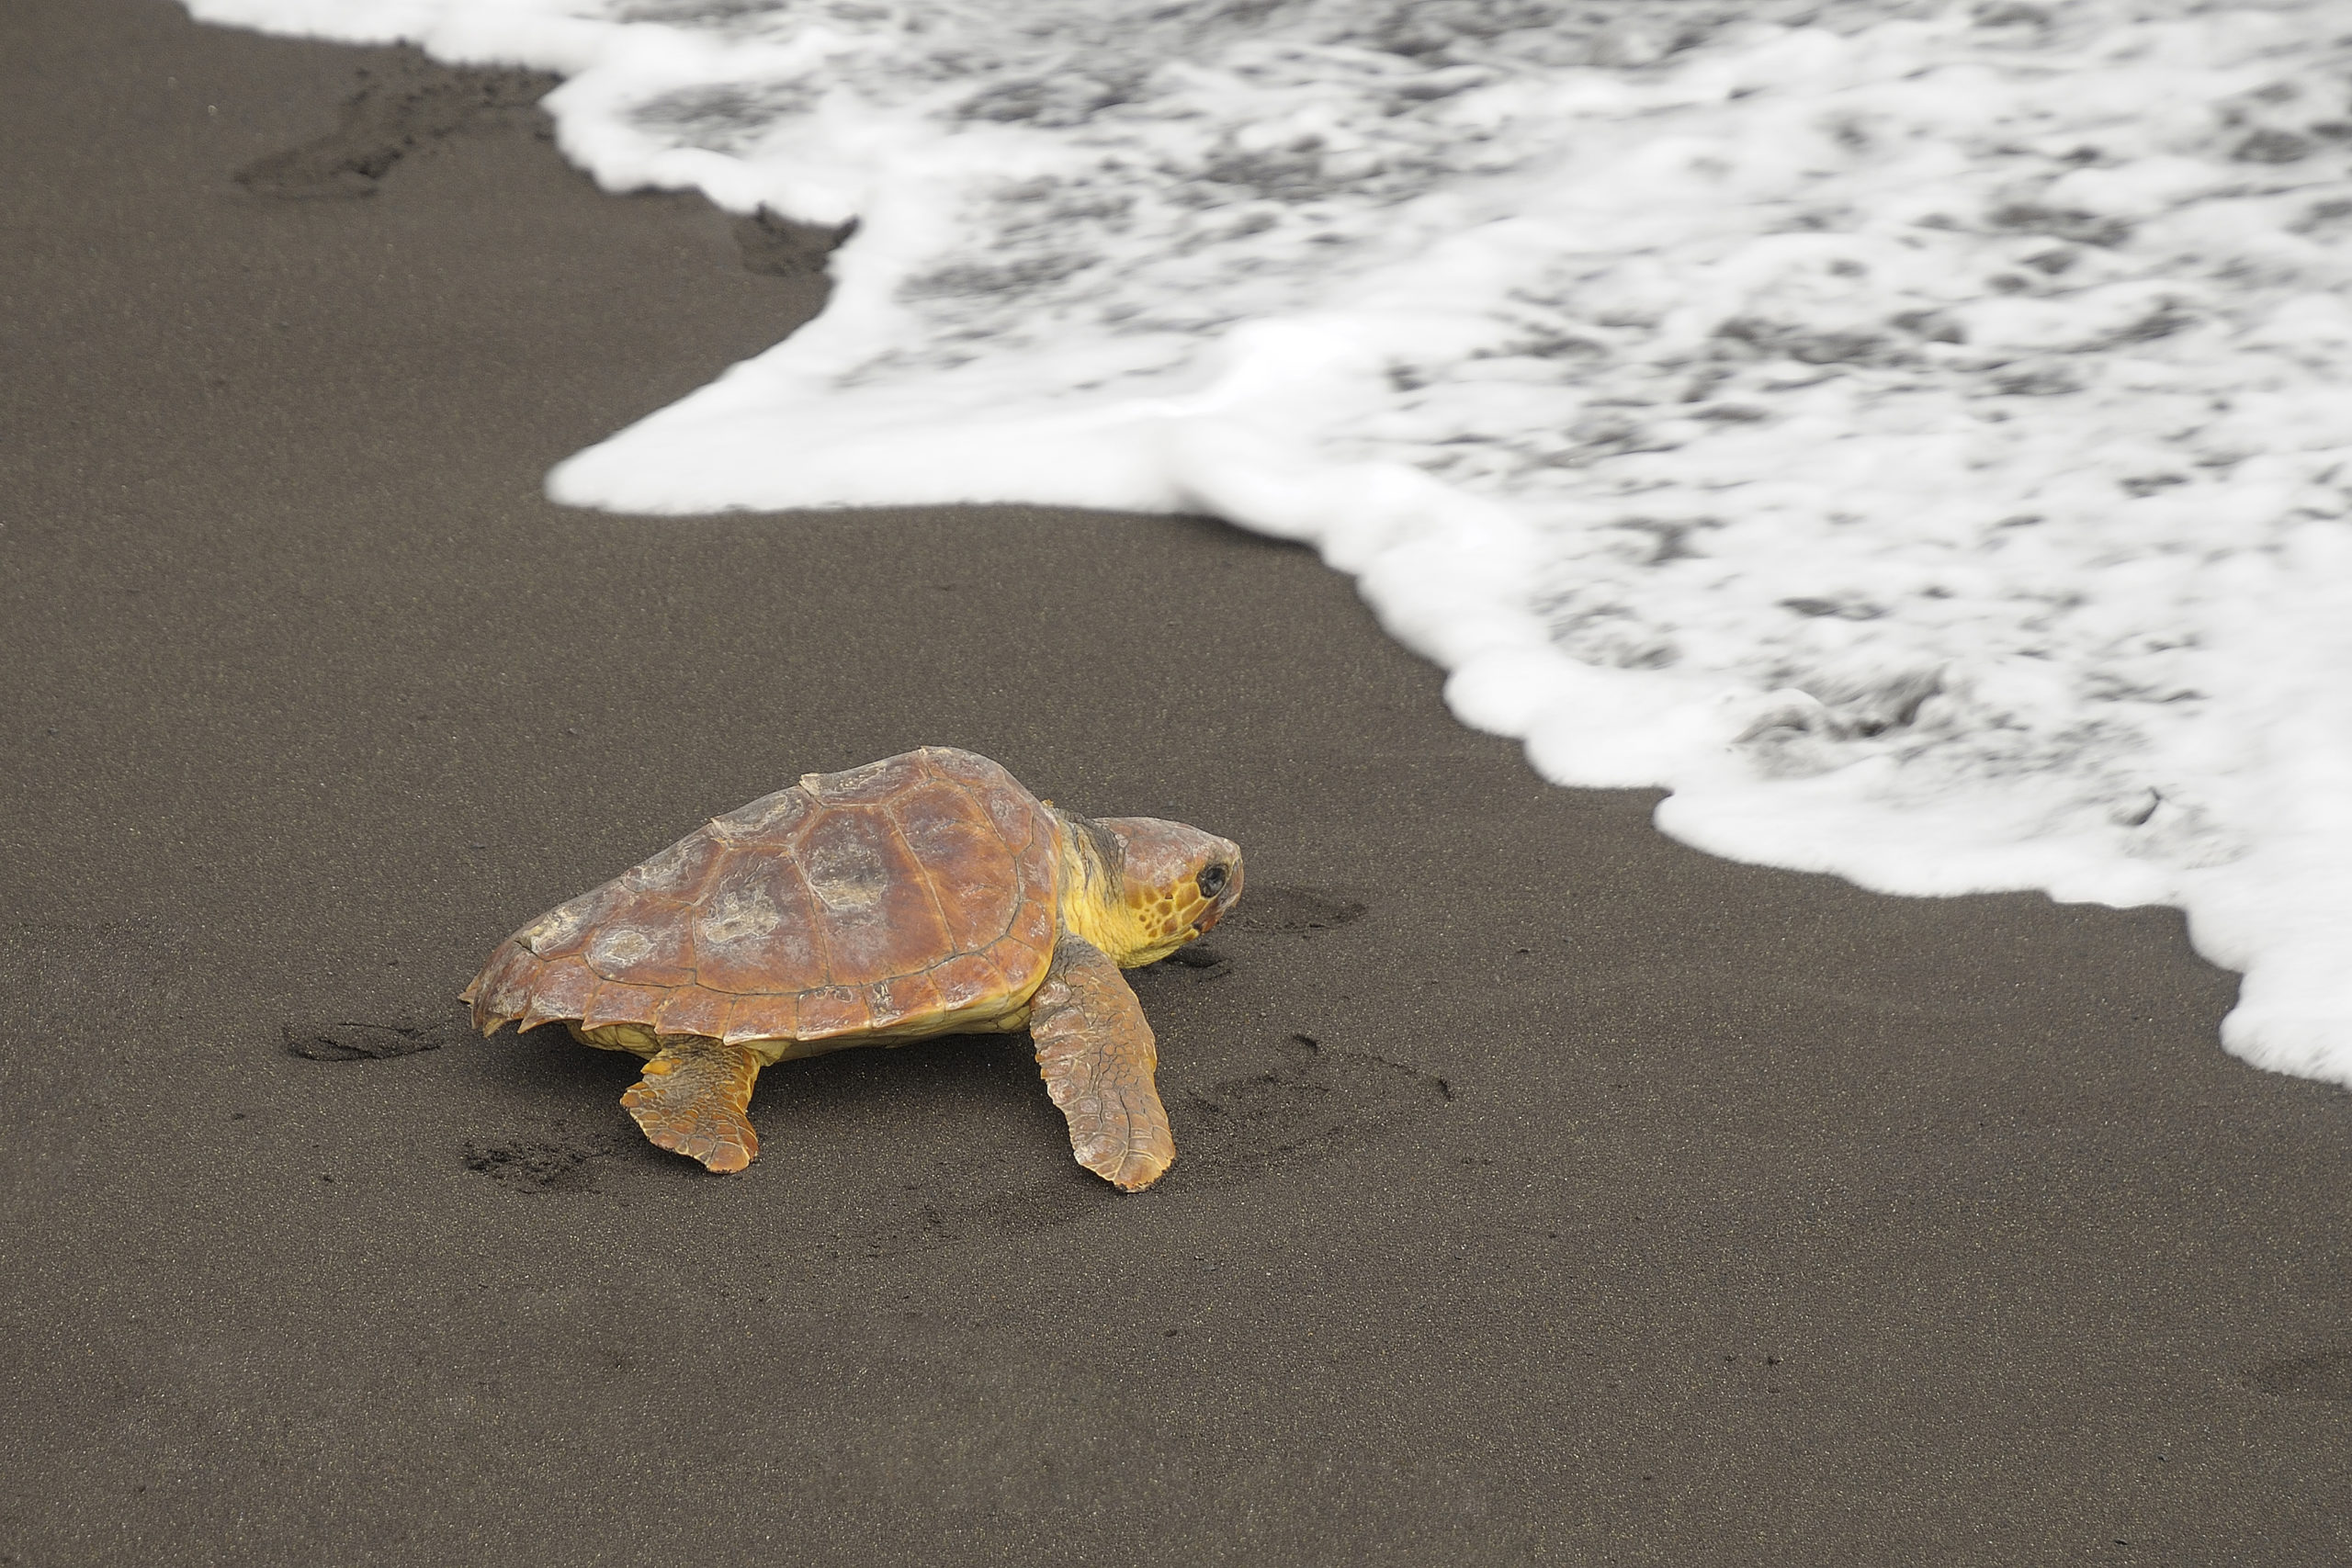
(1547, 1190)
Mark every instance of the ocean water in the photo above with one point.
(1917, 436)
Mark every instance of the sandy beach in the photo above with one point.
(1547, 1191)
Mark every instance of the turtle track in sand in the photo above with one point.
(2326, 1374)
(1306, 1102)
(1311, 1101)
(536, 1165)
(370, 1042)
(1305, 1098)
(405, 108)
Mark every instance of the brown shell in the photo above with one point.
(885, 897)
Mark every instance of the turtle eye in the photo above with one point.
(1212, 880)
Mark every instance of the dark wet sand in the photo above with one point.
(1628, 1206)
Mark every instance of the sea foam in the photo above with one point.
(1916, 437)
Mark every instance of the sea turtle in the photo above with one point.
(925, 894)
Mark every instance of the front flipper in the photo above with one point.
(1097, 1055)
(692, 1100)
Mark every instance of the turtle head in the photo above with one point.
(1140, 889)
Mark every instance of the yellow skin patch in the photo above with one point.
(1134, 919)
(1136, 908)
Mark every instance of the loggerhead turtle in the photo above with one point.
(925, 894)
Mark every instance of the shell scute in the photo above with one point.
(503, 988)
(873, 898)
(941, 822)
(760, 1018)
(829, 1011)
(614, 1003)
(1024, 965)
(691, 1009)
(974, 876)
(678, 873)
(1033, 922)
(564, 929)
(561, 990)
(902, 998)
(964, 767)
(965, 980)
(753, 930)
(1011, 810)
(772, 820)
(1035, 865)
(646, 949)
(869, 784)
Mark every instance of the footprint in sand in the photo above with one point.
(1295, 911)
(943, 1222)
(536, 1165)
(1307, 1102)
(409, 108)
(2326, 1375)
(1310, 1100)
(367, 1042)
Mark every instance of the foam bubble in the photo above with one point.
(1915, 437)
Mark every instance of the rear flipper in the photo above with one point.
(1097, 1055)
(692, 1100)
